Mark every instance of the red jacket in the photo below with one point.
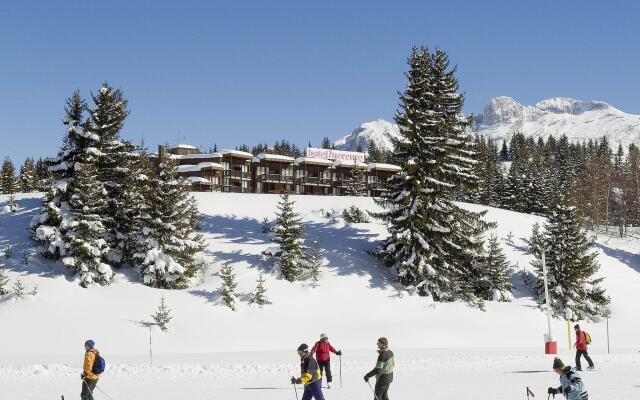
(580, 340)
(322, 350)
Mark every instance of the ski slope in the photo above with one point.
(215, 352)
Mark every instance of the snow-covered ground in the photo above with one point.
(444, 351)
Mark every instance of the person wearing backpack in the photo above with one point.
(582, 340)
(323, 350)
(92, 367)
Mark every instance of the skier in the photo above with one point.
(323, 350)
(570, 382)
(89, 379)
(581, 348)
(310, 375)
(383, 370)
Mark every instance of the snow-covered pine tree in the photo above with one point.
(287, 234)
(162, 316)
(169, 245)
(228, 290)
(356, 181)
(85, 234)
(8, 179)
(114, 165)
(3, 280)
(136, 206)
(494, 283)
(50, 225)
(574, 292)
(536, 241)
(28, 177)
(431, 246)
(18, 289)
(44, 175)
(259, 296)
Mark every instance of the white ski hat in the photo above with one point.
(324, 336)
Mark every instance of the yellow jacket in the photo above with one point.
(89, 358)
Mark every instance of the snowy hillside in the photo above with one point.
(502, 116)
(579, 120)
(357, 301)
(379, 131)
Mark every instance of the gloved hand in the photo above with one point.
(552, 391)
(366, 378)
(293, 380)
(567, 390)
(339, 352)
(82, 376)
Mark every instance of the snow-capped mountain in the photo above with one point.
(380, 131)
(579, 120)
(502, 116)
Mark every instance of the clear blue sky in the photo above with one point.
(252, 71)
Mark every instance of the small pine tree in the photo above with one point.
(315, 261)
(162, 316)
(259, 294)
(18, 289)
(495, 283)
(266, 226)
(8, 251)
(536, 242)
(3, 280)
(287, 234)
(227, 292)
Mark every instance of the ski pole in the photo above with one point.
(108, 397)
(296, 390)
(340, 357)
(374, 392)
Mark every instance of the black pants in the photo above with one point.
(381, 390)
(88, 386)
(579, 353)
(325, 366)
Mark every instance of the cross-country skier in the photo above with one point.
(310, 375)
(570, 382)
(323, 350)
(581, 348)
(89, 379)
(383, 370)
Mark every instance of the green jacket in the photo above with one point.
(384, 366)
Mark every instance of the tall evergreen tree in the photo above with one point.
(229, 285)
(574, 292)
(430, 246)
(326, 143)
(107, 118)
(85, 234)
(8, 179)
(80, 145)
(28, 177)
(287, 234)
(170, 244)
(374, 154)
